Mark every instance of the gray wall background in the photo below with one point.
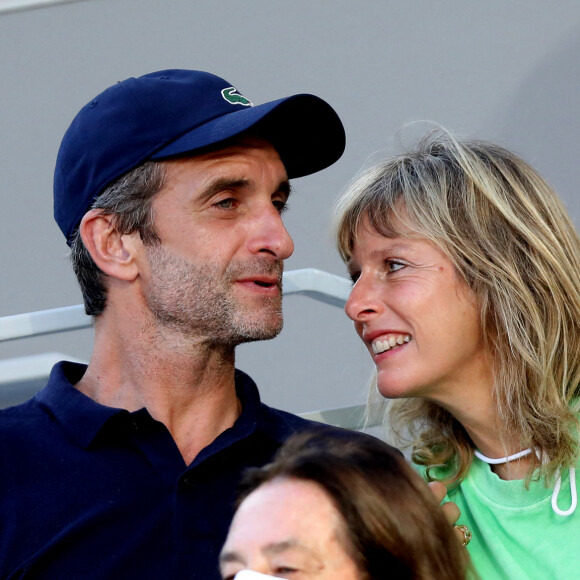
(501, 70)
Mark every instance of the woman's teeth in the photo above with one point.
(392, 341)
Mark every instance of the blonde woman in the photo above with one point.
(466, 272)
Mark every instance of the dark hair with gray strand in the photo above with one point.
(129, 200)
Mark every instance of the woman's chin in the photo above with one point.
(391, 388)
(391, 391)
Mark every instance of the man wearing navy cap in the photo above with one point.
(169, 188)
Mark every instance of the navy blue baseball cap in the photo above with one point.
(174, 113)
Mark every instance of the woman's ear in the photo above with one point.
(113, 252)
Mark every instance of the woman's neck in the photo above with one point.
(476, 413)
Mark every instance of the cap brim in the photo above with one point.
(304, 129)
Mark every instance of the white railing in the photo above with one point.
(17, 5)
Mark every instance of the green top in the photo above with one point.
(516, 534)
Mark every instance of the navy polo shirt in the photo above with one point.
(88, 491)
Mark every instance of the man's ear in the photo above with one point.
(113, 252)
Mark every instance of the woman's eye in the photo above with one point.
(393, 266)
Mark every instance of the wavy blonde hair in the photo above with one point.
(512, 241)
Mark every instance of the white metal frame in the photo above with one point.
(17, 5)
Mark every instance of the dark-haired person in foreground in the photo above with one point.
(169, 188)
(335, 506)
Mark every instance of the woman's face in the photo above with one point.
(418, 319)
(288, 528)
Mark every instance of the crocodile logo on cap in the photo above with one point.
(232, 96)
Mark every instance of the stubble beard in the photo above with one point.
(199, 301)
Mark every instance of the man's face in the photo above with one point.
(217, 272)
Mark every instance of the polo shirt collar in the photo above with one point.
(82, 418)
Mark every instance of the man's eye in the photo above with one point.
(226, 203)
(354, 276)
(280, 205)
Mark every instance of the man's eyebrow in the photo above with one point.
(285, 187)
(224, 183)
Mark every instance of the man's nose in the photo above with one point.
(269, 235)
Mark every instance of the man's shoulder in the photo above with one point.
(287, 418)
(286, 424)
(22, 429)
(19, 415)
(275, 423)
(29, 423)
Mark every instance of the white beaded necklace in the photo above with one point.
(557, 486)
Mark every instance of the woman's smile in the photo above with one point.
(418, 319)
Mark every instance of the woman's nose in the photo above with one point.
(364, 300)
